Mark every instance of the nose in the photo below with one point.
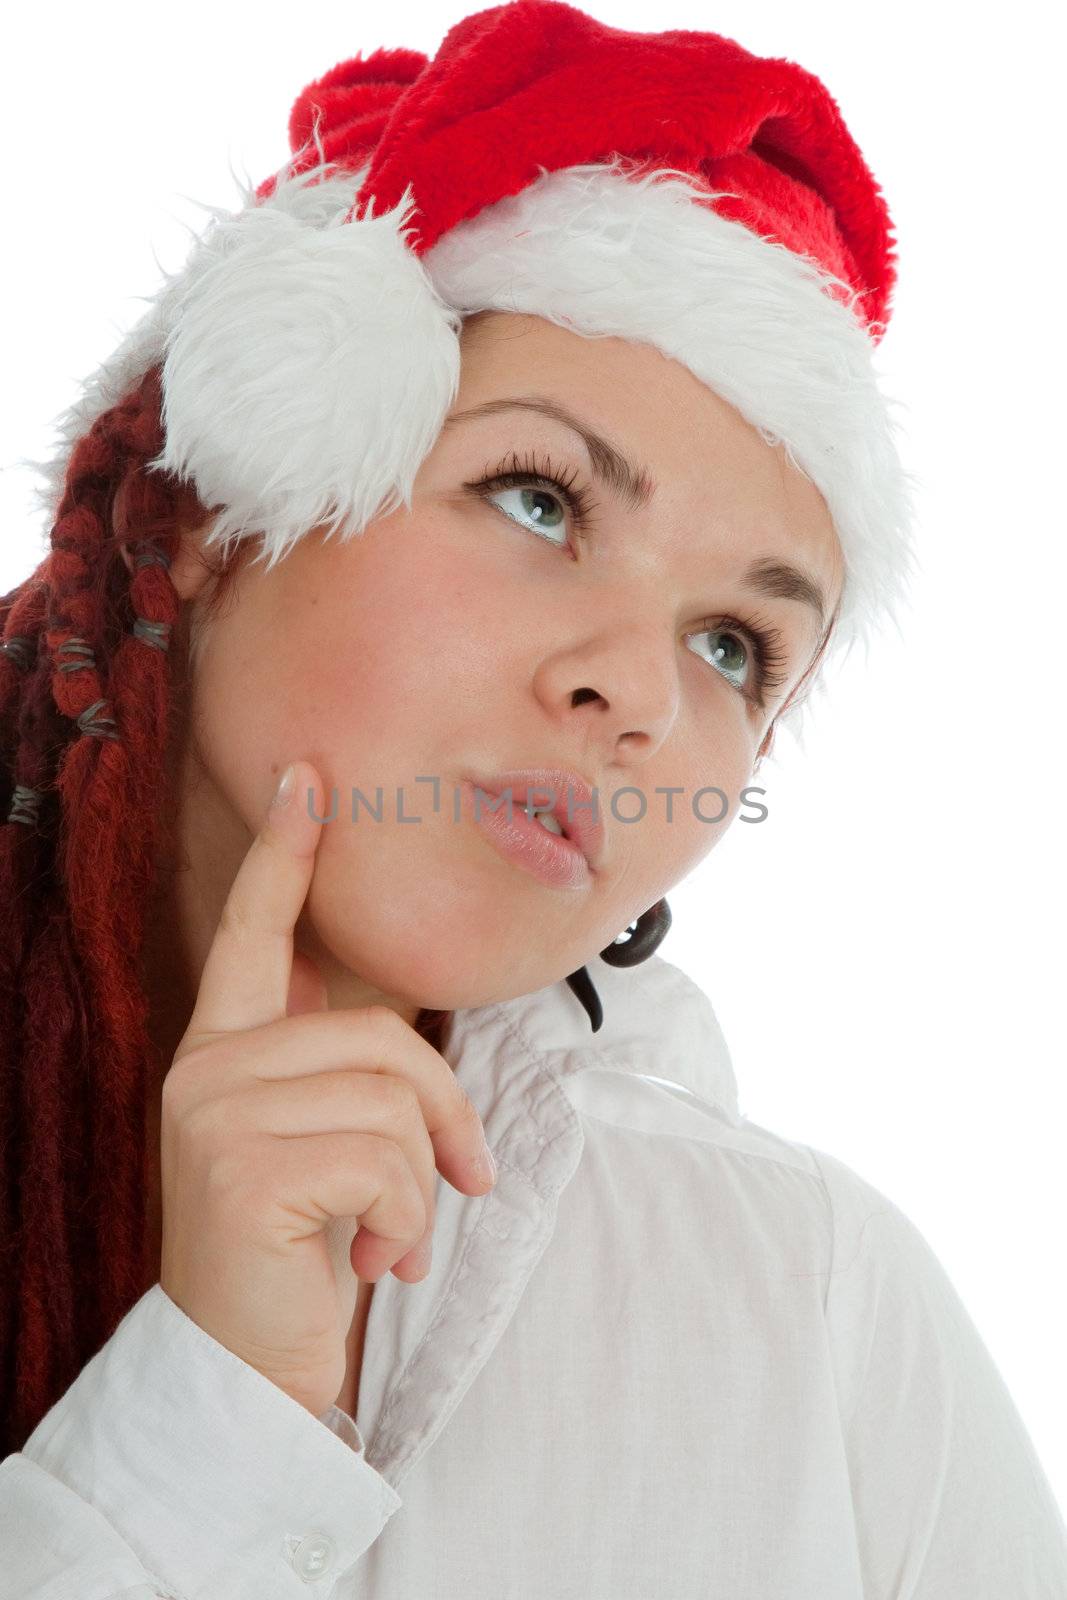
(621, 684)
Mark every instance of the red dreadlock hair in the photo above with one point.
(88, 696)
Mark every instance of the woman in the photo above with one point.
(479, 457)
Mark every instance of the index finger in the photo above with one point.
(245, 981)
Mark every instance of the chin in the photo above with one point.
(461, 975)
(436, 947)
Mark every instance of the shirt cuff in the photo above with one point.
(218, 1480)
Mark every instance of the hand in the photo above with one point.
(278, 1115)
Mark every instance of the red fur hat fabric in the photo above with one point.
(537, 84)
(670, 188)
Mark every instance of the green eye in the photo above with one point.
(537, 504)
(727, 653)
(750, 655)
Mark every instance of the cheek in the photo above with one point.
(386, 684)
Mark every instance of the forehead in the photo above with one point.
(709, 463)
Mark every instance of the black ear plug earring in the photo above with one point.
(648, 934)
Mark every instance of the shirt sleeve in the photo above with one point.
(950, 1497)
(171, 1468)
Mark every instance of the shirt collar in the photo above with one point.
(657, 1023)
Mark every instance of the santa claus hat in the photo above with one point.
(671, 188)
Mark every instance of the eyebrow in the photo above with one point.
(635, 485)
(783, 581)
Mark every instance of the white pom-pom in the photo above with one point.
(308, 370)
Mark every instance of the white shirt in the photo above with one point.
(669, 1355)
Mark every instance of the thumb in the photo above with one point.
(307, 987)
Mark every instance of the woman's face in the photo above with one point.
(487, 630)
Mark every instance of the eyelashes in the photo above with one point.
(771, 657)
(766, 642)
(515, 474)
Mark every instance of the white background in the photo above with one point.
(885, 953)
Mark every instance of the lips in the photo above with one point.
(552, 789)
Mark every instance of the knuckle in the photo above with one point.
(180, 1081)
(404, 1187)
(381, 1017)
(383, 1021)
(392, 1165)
(196, 1058)
(177, 1100)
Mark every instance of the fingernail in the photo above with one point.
(422, 1255)
(484, 1167)
(284, 792)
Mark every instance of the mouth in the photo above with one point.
(545, 819)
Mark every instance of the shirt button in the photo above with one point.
(313, 1557)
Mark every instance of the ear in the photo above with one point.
(189, 569)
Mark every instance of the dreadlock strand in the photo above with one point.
(75, 873)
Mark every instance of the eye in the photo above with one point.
(748, 655)
(540, 497)
(541, 506)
